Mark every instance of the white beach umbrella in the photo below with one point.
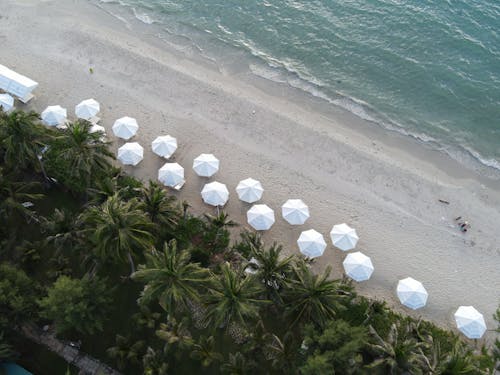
(206, 165)
(125, 127)
(164, 146)
(6, 102)
(295, 211)
(412, 293)
(215, 194)
(470, 322)
(97, 128)
(171, 174)
(131, 153)
(311, 243)
(54, 115)
(358, 266)
(249, 190)
(260, 217)
(344, 237)
(87, 109)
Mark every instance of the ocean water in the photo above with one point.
(426, 68)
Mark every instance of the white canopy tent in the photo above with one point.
(125, 127)
(249, 190)
(206, 165)
(260, 217)
(164, 146)
(171, 174)
(97, 128)
(88, 109)
(215, 194)
(470, 322)
(358, 266)
(54, 115)
(295, 212)
(131, 153)
(6, 102)
(311, 243)
(16, 84)
(412, 293)
(344, 237)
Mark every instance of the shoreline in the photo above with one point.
(345, 170)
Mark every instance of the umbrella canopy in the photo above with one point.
(125, 127)
(215, 194)
(470, 322)
(97, 128)
(260, 217)
(54, 115)
(249, 190)
(344, 237)
(295, 211)
(171, 174)
(164, 146)
(412, 293)
(87, 109)
(131, 153)
(6, 102)
(206, 165)
(358, 266)
(311, 243)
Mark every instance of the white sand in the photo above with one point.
(346, 170)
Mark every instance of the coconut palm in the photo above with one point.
(125, 352)
(154, 362)
(118, 230)
(399, 353)
(204, 351)
(282, 353)
(160, 207)
(233, 298)
(175, 334)
(170, 278)
(216, 235)
(22, 139)
(77, 157)
(313, 297)
(237, 364)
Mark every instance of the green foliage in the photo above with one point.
(7, 353)
(126, 351)
(170, 278)
(204, 351)
(237, 364)
(154, 362)
(79, 305)
(17, 296)
(159, 206)
(339, 345)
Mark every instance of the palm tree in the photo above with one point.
(175, 334)
(78, 157)
(399, 353)
(237, 364)
(159, 206)
(216, 235)
(21, 139)
(233, 298)
(311, 297)
(125, 352)
(204, 351)
(272, 269)
(61, 229)
(171, 278)
(118, 230)
(7, 353)
(283, 353)
(154, 362)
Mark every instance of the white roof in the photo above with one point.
(412, 293)
(54, 115)
(311, 243)
(19, 78)
(171, 174)
(295, 211)
(358, 266)
(260, 217)
(249, 190)
(87, 109)
(344, 237)
(215, 194)
(164, 146)
(6, 102)
(206, 165)
(470, 322)
(97, 128)
(131, 153)
(15, 83)
(125, 127)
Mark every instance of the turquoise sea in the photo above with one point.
(427, 68)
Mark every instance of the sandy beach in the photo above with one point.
(385, 185)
